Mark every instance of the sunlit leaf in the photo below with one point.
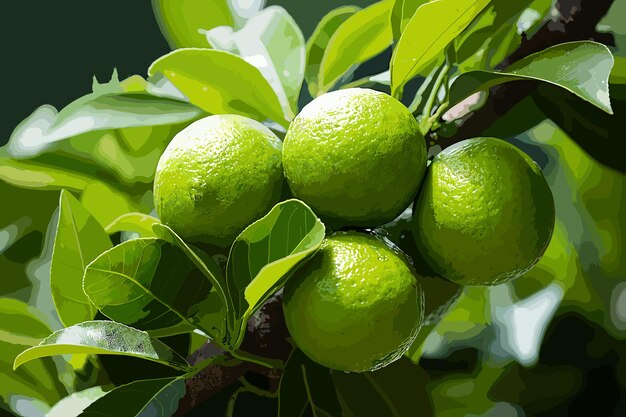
(272, 42)
(133, 222)
(220, 83)
(103, 338)
(402, 13)
(431, 29)
(78, 241)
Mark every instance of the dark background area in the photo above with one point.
(52, 49)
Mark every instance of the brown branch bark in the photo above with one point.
(266, 336)
(572, 20)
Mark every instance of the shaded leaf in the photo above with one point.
(147, 397)
(431, 29)
(360, 37)
(264, 253)
(272, 42)
(104, 338)
(183, 23)
(245, 403)
(78, 241)
(307, 388)
(581, 68)
(220, 83)
(596, 131)
(150, 284)
(133, 222)
(396, 390)
(317, 43)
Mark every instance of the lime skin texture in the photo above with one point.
(485, 214)
(217, 176)
(356, 305)
(356, 156)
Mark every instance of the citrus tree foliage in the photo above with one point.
(81, 251)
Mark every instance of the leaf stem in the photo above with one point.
(428, 108)
(250, 357)
(222, 360)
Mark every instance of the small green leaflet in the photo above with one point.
(78, 241)
(146, 397)
(263, 255)
(150, 284)
(220, 83)
(431, 29)
(362, 36)
(104, 338)
(317, 43)
(582, 68)
(307, 388)
(133, 222)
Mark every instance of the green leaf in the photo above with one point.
(246, 403)
(150, 284)
(76, 403)
(431, 29)
(401, 14)
(397, 390)
(317, 43)
(23, 326)
(265, 252)
(183, 23)
(78, 241)
(205, 264)
(360, 37)
(220, 82)
(103, 338)
(27, 174)
(106, 203)
(147, 397)
(582, 68)
(133, 222)
(307, 388)
(272, 42)
(128, 105)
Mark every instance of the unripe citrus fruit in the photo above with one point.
(217, 176)
(485, 214)
(355, 306)
(356, 156)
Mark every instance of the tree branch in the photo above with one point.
(266, 336)
(572, 20)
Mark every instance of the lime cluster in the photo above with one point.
(482, 214)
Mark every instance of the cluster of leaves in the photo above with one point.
(67, 261)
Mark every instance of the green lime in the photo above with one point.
(485, 214)
(356, 156)
(355, 306)
(217, 176)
